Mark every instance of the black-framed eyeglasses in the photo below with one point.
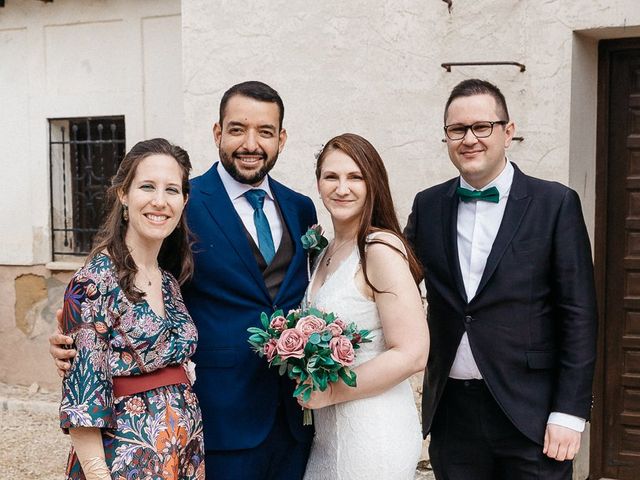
(457, 131)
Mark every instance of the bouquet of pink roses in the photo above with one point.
(312, 347)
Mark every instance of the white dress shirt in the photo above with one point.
(477, 227)
(236, 191)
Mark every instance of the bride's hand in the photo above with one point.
(318, 399)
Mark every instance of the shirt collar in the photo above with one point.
(235, 189)
(502, 182)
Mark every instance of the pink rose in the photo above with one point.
(342, 350)
(270, 349)
(278, 323)
(335, 329)
(341, 323)
(291, 344)
(310, 324)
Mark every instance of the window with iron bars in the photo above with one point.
(84, 154)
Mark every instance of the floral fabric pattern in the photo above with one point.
(152, 435)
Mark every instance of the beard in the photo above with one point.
(228, 161)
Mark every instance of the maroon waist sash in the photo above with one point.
(132, 384)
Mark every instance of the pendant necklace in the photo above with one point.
(329, 257)
(147, 276)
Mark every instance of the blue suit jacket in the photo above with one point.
(238, 393)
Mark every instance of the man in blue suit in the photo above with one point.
(253, 426)
(248, 259)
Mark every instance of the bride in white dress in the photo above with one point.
(367, 275)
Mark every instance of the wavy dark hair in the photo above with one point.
(175, 253)
(378, 213)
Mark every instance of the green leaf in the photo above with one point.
(326, 335)
(255, 330)
(314, 338)
(333, 377)
(276, 361)
(300, 389)
(296, 369)
(264, 319)
(277, 313)
(306, 396)
(347, 376)
(328, 361)
(257, 339)
(310, 349)
(283, 369)
(322, 380)
(315, 312)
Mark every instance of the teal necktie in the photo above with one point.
(265, 240)
(489, 195)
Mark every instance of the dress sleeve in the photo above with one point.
(87, 390)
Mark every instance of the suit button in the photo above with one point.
(468, 319)
(275, 307)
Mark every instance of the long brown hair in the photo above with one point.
(378, 213)
(175, 253)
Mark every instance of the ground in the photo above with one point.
(33, 446)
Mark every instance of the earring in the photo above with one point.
(125, 212)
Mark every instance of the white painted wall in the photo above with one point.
(74, 58)
(373, 67)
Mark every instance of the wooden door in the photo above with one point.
(615, 438)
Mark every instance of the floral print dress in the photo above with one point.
(153, 435)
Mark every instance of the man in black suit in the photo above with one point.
(511, 306)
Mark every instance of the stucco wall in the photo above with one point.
(75, 58)
(374, 68)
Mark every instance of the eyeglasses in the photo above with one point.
(457, 131)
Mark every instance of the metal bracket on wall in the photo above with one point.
(447, 66)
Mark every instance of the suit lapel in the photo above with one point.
(292, 221)
(450, 234)
(517, 205)
(219, 206)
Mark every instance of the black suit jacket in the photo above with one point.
(532, 323)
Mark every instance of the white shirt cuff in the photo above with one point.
(568, 421)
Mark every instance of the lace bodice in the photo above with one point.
(340, 294)
(375, 437)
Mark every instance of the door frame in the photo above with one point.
(597, 458)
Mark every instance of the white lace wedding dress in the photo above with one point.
(372, 438)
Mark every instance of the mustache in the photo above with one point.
(257, 153)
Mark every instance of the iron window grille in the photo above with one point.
(84, 154)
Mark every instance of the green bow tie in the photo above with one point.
(489, 195)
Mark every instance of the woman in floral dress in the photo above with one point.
(127, 401)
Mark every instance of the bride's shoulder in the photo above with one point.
(381, 242)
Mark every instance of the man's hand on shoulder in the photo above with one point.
(58, 344)
(561, 443)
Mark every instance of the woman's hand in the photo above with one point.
(318, 399)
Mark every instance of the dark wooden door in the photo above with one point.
(616, 429)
